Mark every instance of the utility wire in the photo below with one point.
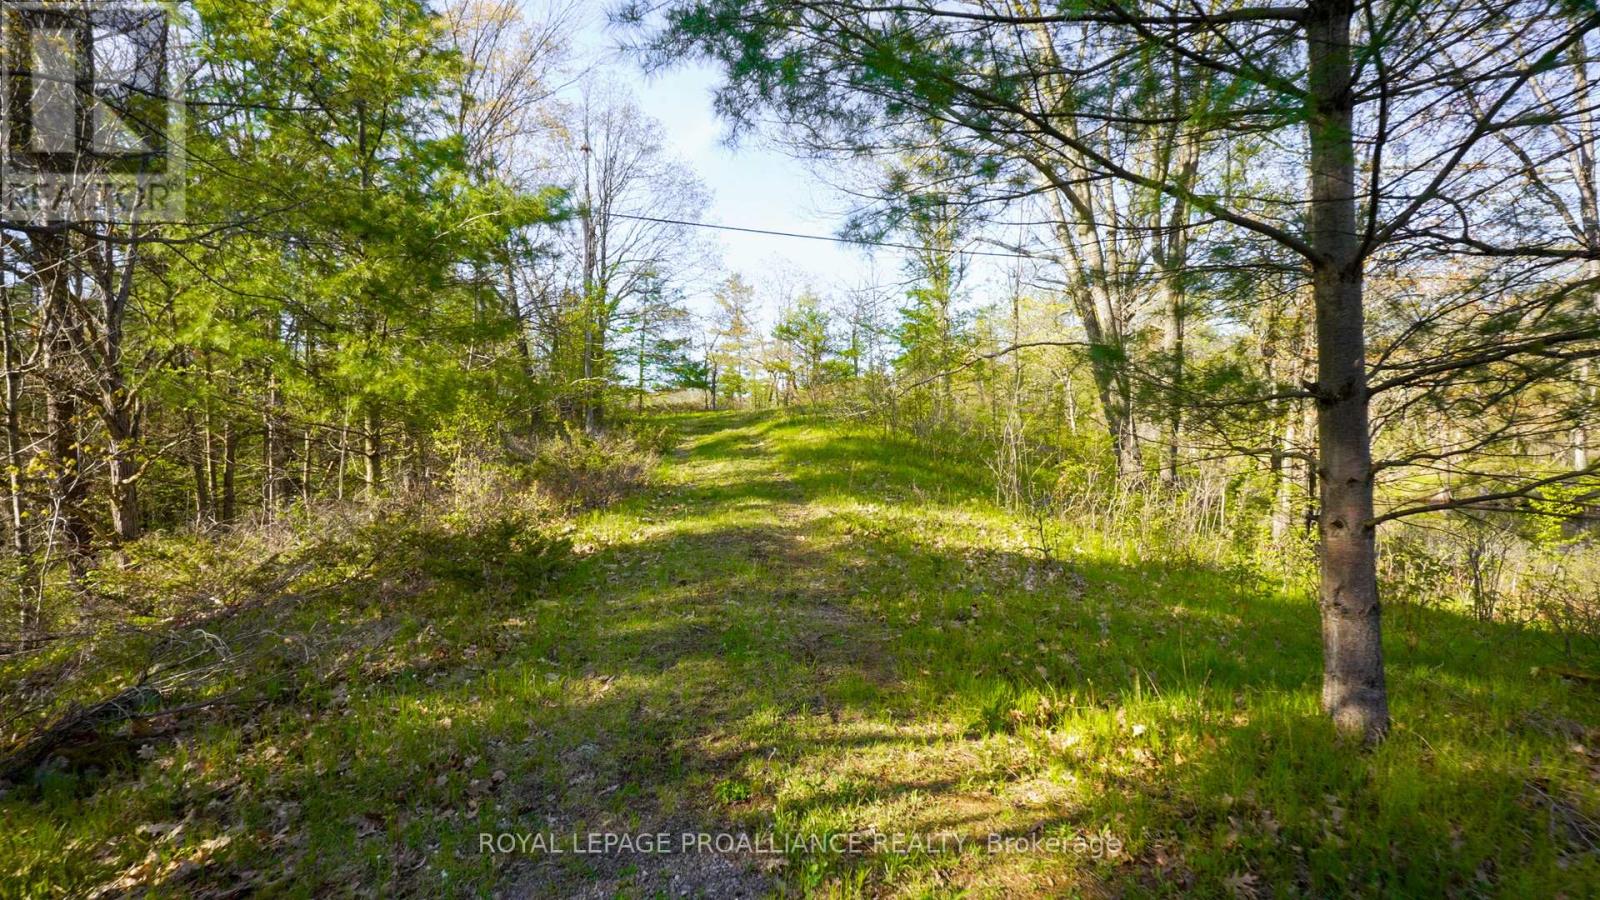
(823, 237)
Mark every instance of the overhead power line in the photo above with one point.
(823, 237)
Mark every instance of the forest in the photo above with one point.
(1168, 463)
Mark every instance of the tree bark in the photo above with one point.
(200, 468)
(1172, 347)
(67, 488)
(1588, 391)
(1097, 311)
(14, 442)
(372, 453)
(1182, 151)
(230, 456)
(122, 436)
(1353, 689)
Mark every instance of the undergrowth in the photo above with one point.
(796, 629)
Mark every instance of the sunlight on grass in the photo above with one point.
(801, 634)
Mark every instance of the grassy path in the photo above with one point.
(836, 645)
(806, 632)
(750, 684)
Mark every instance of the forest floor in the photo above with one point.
(833, 659)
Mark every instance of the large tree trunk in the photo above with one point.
(1353, 690)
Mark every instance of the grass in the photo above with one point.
(808, 635)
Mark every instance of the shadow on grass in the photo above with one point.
(755, 662)
(1196, 736)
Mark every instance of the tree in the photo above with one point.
(1328, 81)
(733, 337)
(803, 329)
(631, 194)
(681, 371)
(658, 350)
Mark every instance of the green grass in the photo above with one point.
(802, 631)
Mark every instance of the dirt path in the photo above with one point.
(742, 686)
(832, 644)
(757, 576)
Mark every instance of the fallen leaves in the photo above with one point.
(1243, 885)
(152, 871)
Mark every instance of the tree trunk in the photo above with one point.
(269, 449)
(61, 403)
(230, 455)
(1353, 690)
(14, 443)
(1172, 257)
(124, 472)
(14, 440)
(1096, 310)
(67, 487)
(305, 466)
(372, 453)
(594, 378)
(1588, 392)
(1172, 346)
(1284, 471)
(200, 467)
(122, 435)
(1283, 353)
(641, 367)
(206, 484)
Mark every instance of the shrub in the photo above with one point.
(583, 472)
(655, 437)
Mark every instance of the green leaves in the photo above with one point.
(356, 276)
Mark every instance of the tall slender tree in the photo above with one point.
(1331, 82)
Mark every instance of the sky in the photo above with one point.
(751, 185)
(754, 185)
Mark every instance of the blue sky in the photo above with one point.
(752, 186)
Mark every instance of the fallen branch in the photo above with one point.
(76, 723)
